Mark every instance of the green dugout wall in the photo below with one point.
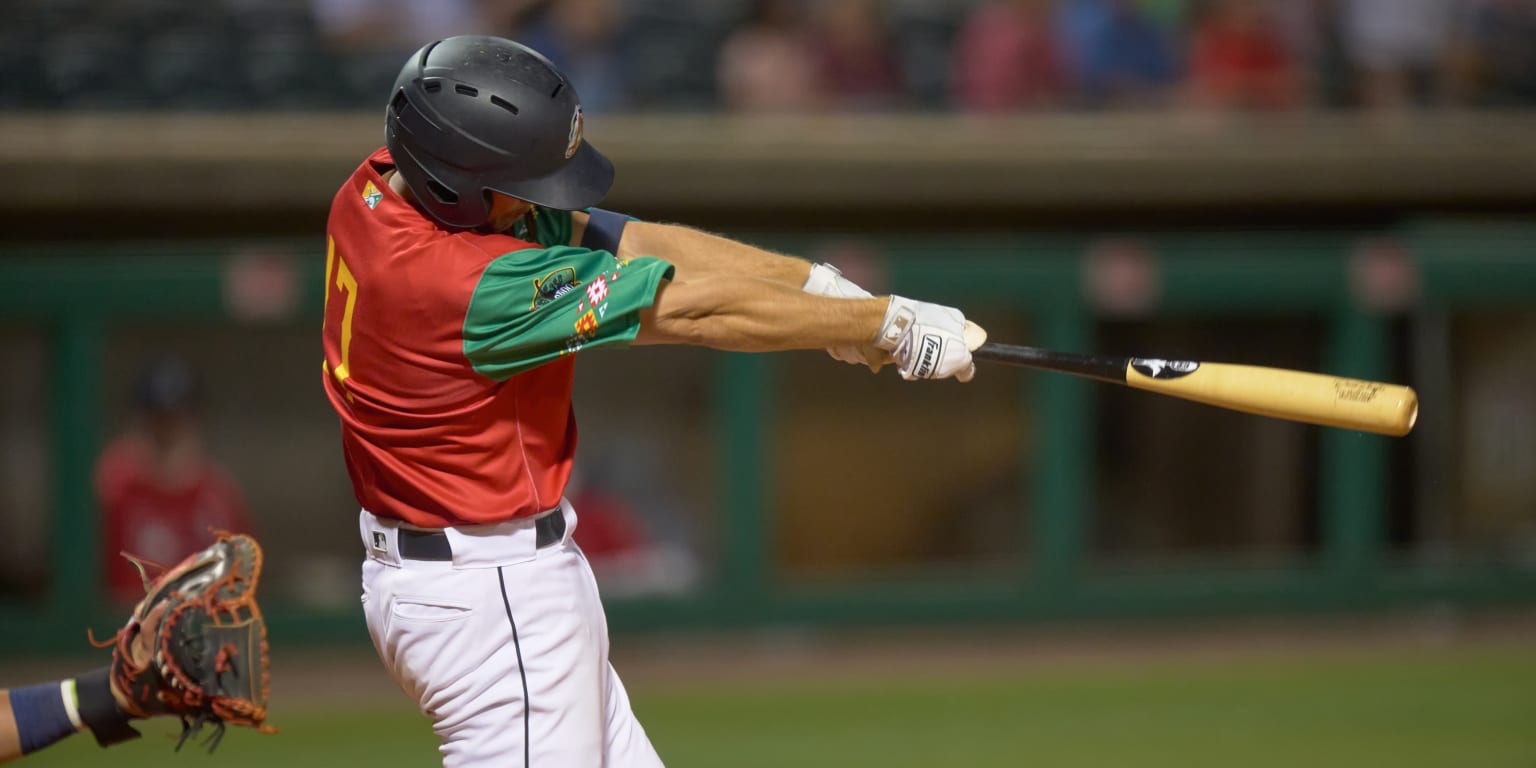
(1359, 287)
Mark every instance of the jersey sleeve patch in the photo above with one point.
(533, 306)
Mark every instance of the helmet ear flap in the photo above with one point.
(446, 196)
(443, 194)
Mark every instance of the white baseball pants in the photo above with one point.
(505, 648)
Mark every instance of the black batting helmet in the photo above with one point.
(473, 115)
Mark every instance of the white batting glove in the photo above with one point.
(926, 341)
(826, 280)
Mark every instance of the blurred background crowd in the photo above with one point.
(791, 55)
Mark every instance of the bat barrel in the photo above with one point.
(1367, 406)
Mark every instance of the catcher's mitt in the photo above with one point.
(207, 643)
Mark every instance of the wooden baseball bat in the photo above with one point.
(1368, 406)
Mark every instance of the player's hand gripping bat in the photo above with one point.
(1369, 406)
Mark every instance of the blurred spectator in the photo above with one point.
(1397, 48)
(1007, 58)
(769, 65)
(1493, 59)
(626, 559)
(1077, 22)
(1238, 61)
(396, 24)
(159, 493)
(1312, 31)
(1126, 61)
(369, 40)
(580, 37)
(858, 68)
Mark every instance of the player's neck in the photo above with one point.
(397, 183)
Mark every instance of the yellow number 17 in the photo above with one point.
(346, 283)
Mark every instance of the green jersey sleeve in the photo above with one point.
(551, 227)
(536, 305)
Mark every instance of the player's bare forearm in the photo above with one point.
(739, 313)
(10, 741)
(694, 252)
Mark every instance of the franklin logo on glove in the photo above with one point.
(929, 356)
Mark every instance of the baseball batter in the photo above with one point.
(466, 269)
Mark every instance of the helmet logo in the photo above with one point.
(573, 142)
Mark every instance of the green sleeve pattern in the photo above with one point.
(537, 305)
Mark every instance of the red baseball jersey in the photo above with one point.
(449, 355)
(159, 518)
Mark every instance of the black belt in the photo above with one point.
(433, 545)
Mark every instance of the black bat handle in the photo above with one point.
(1101, 367)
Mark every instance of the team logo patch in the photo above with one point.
(573, 141)
(586, 324)
(372, 195)
(553, 286)
(597, 292)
